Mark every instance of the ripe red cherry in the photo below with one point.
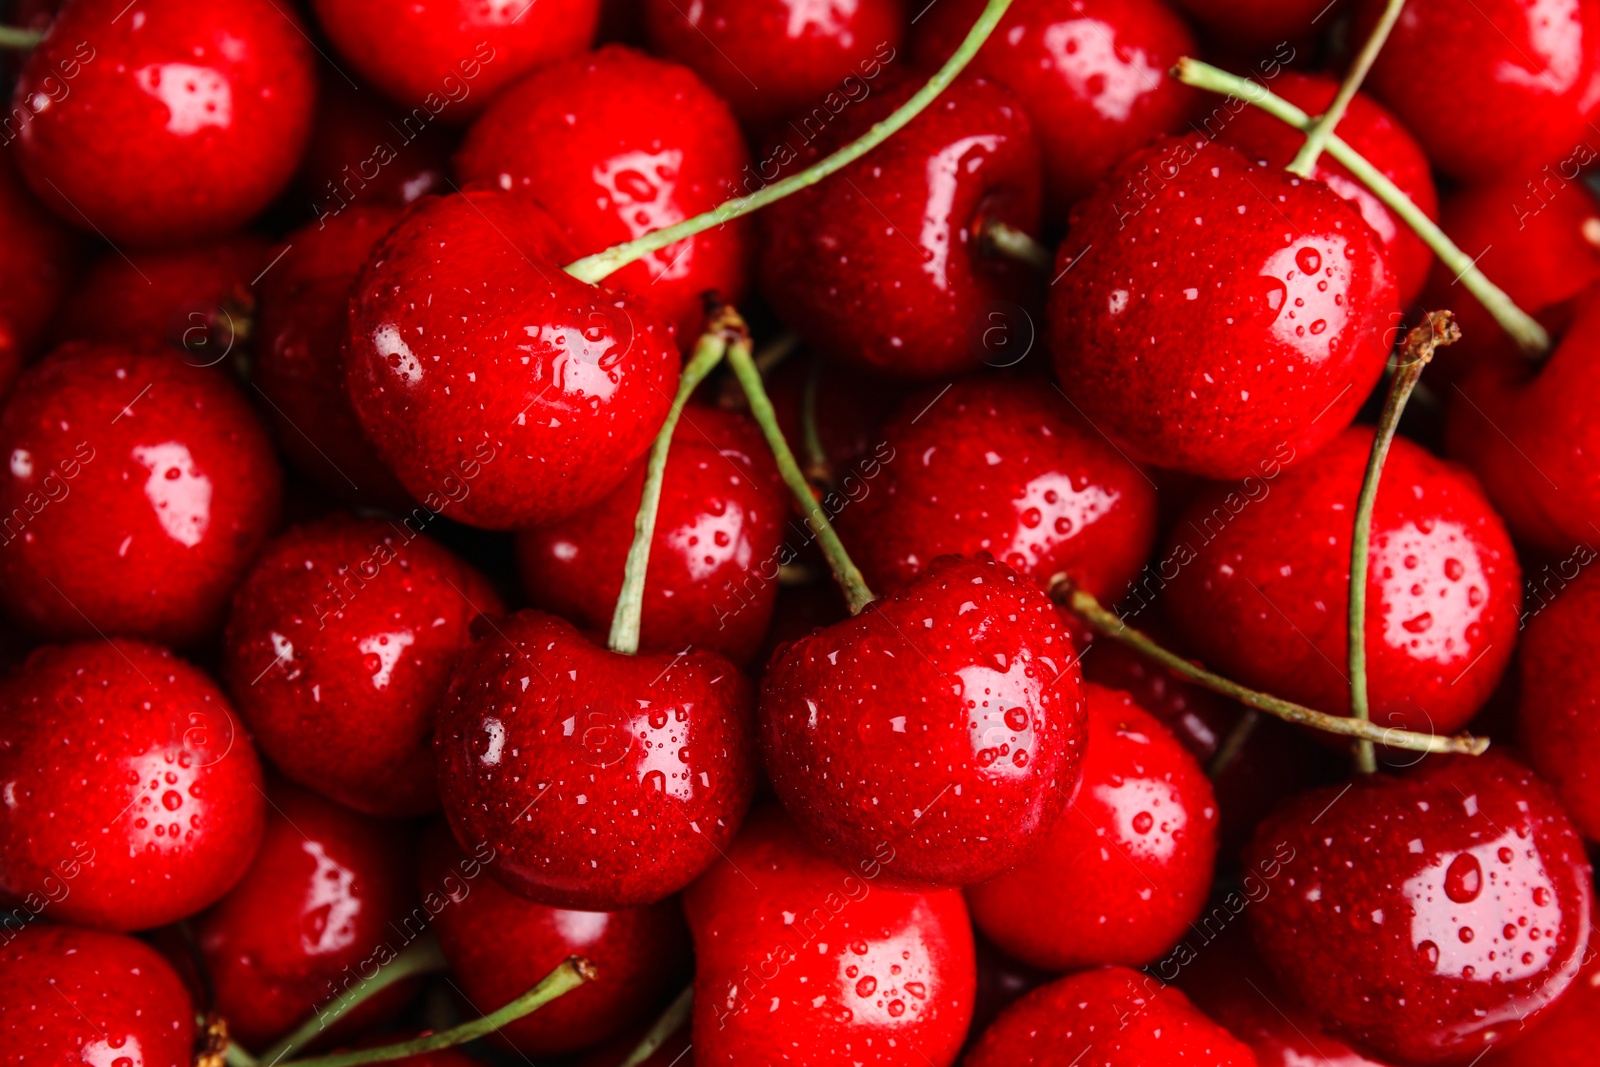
(1424, 916)
(500, 945)
(1212, 311)
(1005, 467)
(713, 575)
(617, 144)
(1248, 26)
(446, 61)
(138, 489)
(780, 59)
(1093, 74)
(880, 264)
(1136, 845)
(946, 722)
(71, 996)
(1556, 720)
(1380, 139)
(366, 150)
(802, 961)
(340, 646)
(1564, 1034)
(502, 391)
(601, 781)
(1511, 82)
(36, 259)
(1107, 1017)
(305, 303)
(1263, 570)
(179, 120)
(315, 913)
(133, 795)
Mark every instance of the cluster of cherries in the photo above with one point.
(395, 583)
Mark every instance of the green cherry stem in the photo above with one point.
(1438, 330)
(15, 37)
(568, 975)
(818, 470)
(723, 328)
(1317, 139)
(1524, 330)
(999, 239)
(845, 572)
(1231, 745)
(603, 264)
(1085, 606)
(675, 1016)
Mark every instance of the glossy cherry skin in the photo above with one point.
(133, 793)
(499, 946)
(36, 259)
(184, 297)
(1564, 1034)
(1136, 846)
(1252, 25)
(366, 150)
(1106, 1017)
(618, 144)
(1557, 722)
(803, 961)
(1422, 916)
(1382, 141)
(713, 574)
(166, 122)
(601, 781)
(69, 996)
(446, 61)
(317, 910)
(800, 52)
(304, 307)
(340, 646)
(1510, 82)
(502, 391)
(1005, 467)
(1261, 592)
(146, 486)
(1092, 74)
(946, 721)
(880, 264)
(1213, 310)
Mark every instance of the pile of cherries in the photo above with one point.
(447, 620)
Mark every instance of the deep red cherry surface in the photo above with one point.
(1093, 75)
(497, 387)
(600, 780)
(364, 149)
(618, 144)
(178, 120)
(499, 946)
(1424, 916)
(1213, 312)
(1558, 716)
(1263, 570)
(144, 487)
(317, 910)
(1563, 1035)
(1107, 1017)
(1257, 25)
(1136, 846)
(80, 996)
(780, 59)
(880, 264)
(1512, 83)
(133, 795)
(714, 559)
(298, 376)
(945, 723)
(801, 961)
(1379, 138)
(1006, 467)
(36, 259)
(446, 61)
(339, 648)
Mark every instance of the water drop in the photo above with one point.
(1464, 879)
(1309, 260)
(867, 986)
(1142, 822)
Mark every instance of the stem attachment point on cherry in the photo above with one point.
(996, 238)
(1317, 139)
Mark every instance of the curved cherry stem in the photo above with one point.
(1231, 745)
(845, 572)
(1002, 240)
(568, 975)
(19, 39)
(1440, 329)
(1317, 139)
(818, 470)
(671, 1020)
(603, 264)
(724, 328)
(1085, 606)
(1522, 327)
